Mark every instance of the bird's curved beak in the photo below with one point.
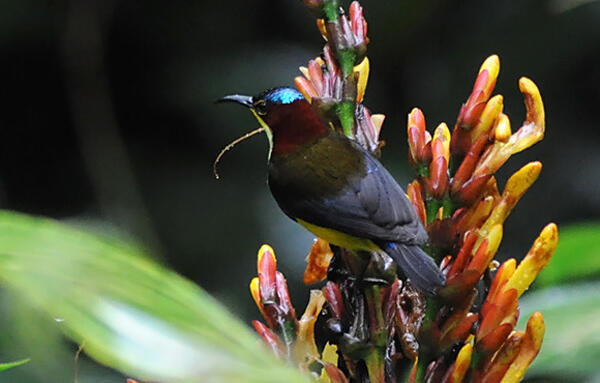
(238, 98)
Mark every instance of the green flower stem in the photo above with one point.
(345, 112)
(375, 359)
(330, 8)
(375, 366)
(347, 60)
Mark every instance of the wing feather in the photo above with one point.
(343, 187)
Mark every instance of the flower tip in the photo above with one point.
(254, 290)
(502, 130)
(550, 235)
(305, 87)
(533, 103)
(530, 347)
(416, 118)
(492, 65)
(363, 76)
(536, 325)
(522, 180)
(526, 85)
(266, 250)
(463, 360)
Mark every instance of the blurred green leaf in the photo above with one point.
(571, 345)
(577, 255)
(131, 313)
(6, 366)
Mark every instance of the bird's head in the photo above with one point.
(286, 116)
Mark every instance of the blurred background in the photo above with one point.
(108, 118)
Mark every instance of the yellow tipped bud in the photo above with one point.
(533, 102)
(502, 130)
(266, 250)
(515, 187)
(530, 347)
(502, 276)
(463, 361)
(522, 180)
(442, 136)
(492, 64)
(254, 290)
(536, 259)
(363, 76)
(491, 111)
(534, 127)
(304, 71)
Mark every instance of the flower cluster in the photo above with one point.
(376, 327)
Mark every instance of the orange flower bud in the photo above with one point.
(416, 135)
(486, 249)
(438, 169)
(502, 360)
(306, 88)
(530, 347)
(272, 341)
(267, 268)
(463, 255)
(484, 84)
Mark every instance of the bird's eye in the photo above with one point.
(261, 107)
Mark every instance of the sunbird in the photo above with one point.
(335, 188)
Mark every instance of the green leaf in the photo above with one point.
(577, 255)
(6, 366)
(130, 313)
(571, 344)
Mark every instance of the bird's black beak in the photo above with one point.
(238, 98)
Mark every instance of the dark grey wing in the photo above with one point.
(370, 205)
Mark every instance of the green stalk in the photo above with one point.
(375, 360)
(330, 8)
(345, 112)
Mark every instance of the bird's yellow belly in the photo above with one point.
(340, 239)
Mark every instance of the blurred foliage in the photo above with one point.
(127, 311)
(571, 348)
(577, 256)
(6, 366)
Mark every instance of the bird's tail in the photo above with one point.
(419, 267)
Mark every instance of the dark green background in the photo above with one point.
(108, 116)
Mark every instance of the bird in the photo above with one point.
(335, 188)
